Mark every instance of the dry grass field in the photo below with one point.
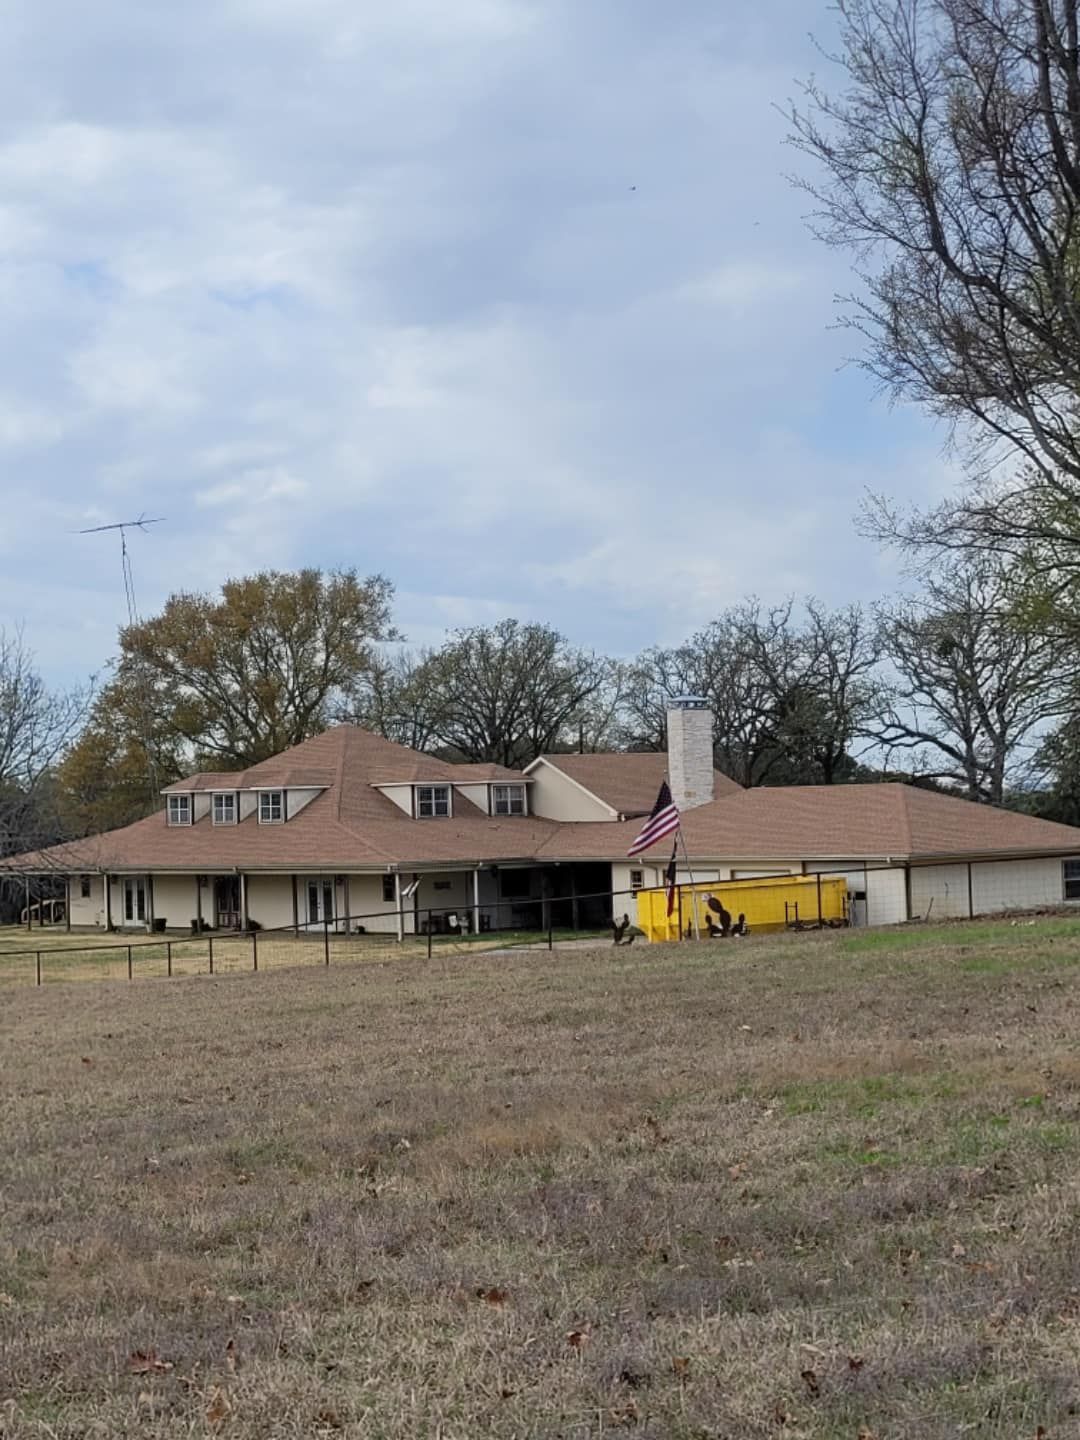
(812, 1186)
(97, 955)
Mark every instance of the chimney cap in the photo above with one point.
(688, 702)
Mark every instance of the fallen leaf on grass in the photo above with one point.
(230, 1356)
(220, 1406)
(782, 1415)
(680, 1365)
(86, 1060)
(811, 1381)
(576, 1338)
(624, 1414)
(494, 1296)
(865, 1434)
(736, 1171)
(855, 1362)
(328, 1419)
(147, 1362)
(958, 1251)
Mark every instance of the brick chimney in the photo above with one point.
(690, 751)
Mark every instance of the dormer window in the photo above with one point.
(179, 811)
(224, 808)
(432, 801)
(271, 807)
(508, 799)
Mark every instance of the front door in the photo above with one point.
(227, 902)
(134, 900)
(320, 902)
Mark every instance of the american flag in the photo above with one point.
(663, 820)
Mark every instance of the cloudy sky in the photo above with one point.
(507, 299)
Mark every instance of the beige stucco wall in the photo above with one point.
(401, 795)
(269, 900)
(555, 796)
(174, 900)
(92, 910)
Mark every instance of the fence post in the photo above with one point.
(129, 961)
(254, 949)
(39, 967)
(326, 939)
(210, 940)
(168, 958)
(429, 935)
(551, 931)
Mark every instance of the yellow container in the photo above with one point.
(776, 902)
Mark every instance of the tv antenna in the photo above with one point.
(125, 557)
(133, 616)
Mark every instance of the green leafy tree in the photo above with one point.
(222, 682)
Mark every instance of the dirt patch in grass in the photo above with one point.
(784, 1188)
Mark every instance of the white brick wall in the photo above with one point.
(690, 757)
(945, 885)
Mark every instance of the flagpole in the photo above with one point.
(693, 893)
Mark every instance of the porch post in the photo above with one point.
(476, 901)
(348, 907)
(106, 880)
(573, 900)
(150, 900)
(400, 900)
(243, 901)
(26, 887)
(295, 909)
(545, 900)
(67, 903)
(198, 904)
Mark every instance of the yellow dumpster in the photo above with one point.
(775, 902)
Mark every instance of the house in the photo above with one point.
(352, 831)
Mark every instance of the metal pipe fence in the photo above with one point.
(526, 923)
(529, 922)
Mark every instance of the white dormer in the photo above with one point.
(178, 810)
(433, 802)
(225, 807)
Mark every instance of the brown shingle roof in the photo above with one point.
(852, 821)
(353, 825)
(628, 782)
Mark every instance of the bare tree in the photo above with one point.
(949, 163)
(393, 701)
(36, 726)
(789, 697)
(509, 692)
(970, 686)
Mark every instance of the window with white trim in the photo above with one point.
(224, 808)
(1070, 874)
(637, 880)
(271, 807)
(508, 799)
(389, 890)
(84, 886)
(432, 801)
(179, 812)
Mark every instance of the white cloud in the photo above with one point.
(368, 284)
